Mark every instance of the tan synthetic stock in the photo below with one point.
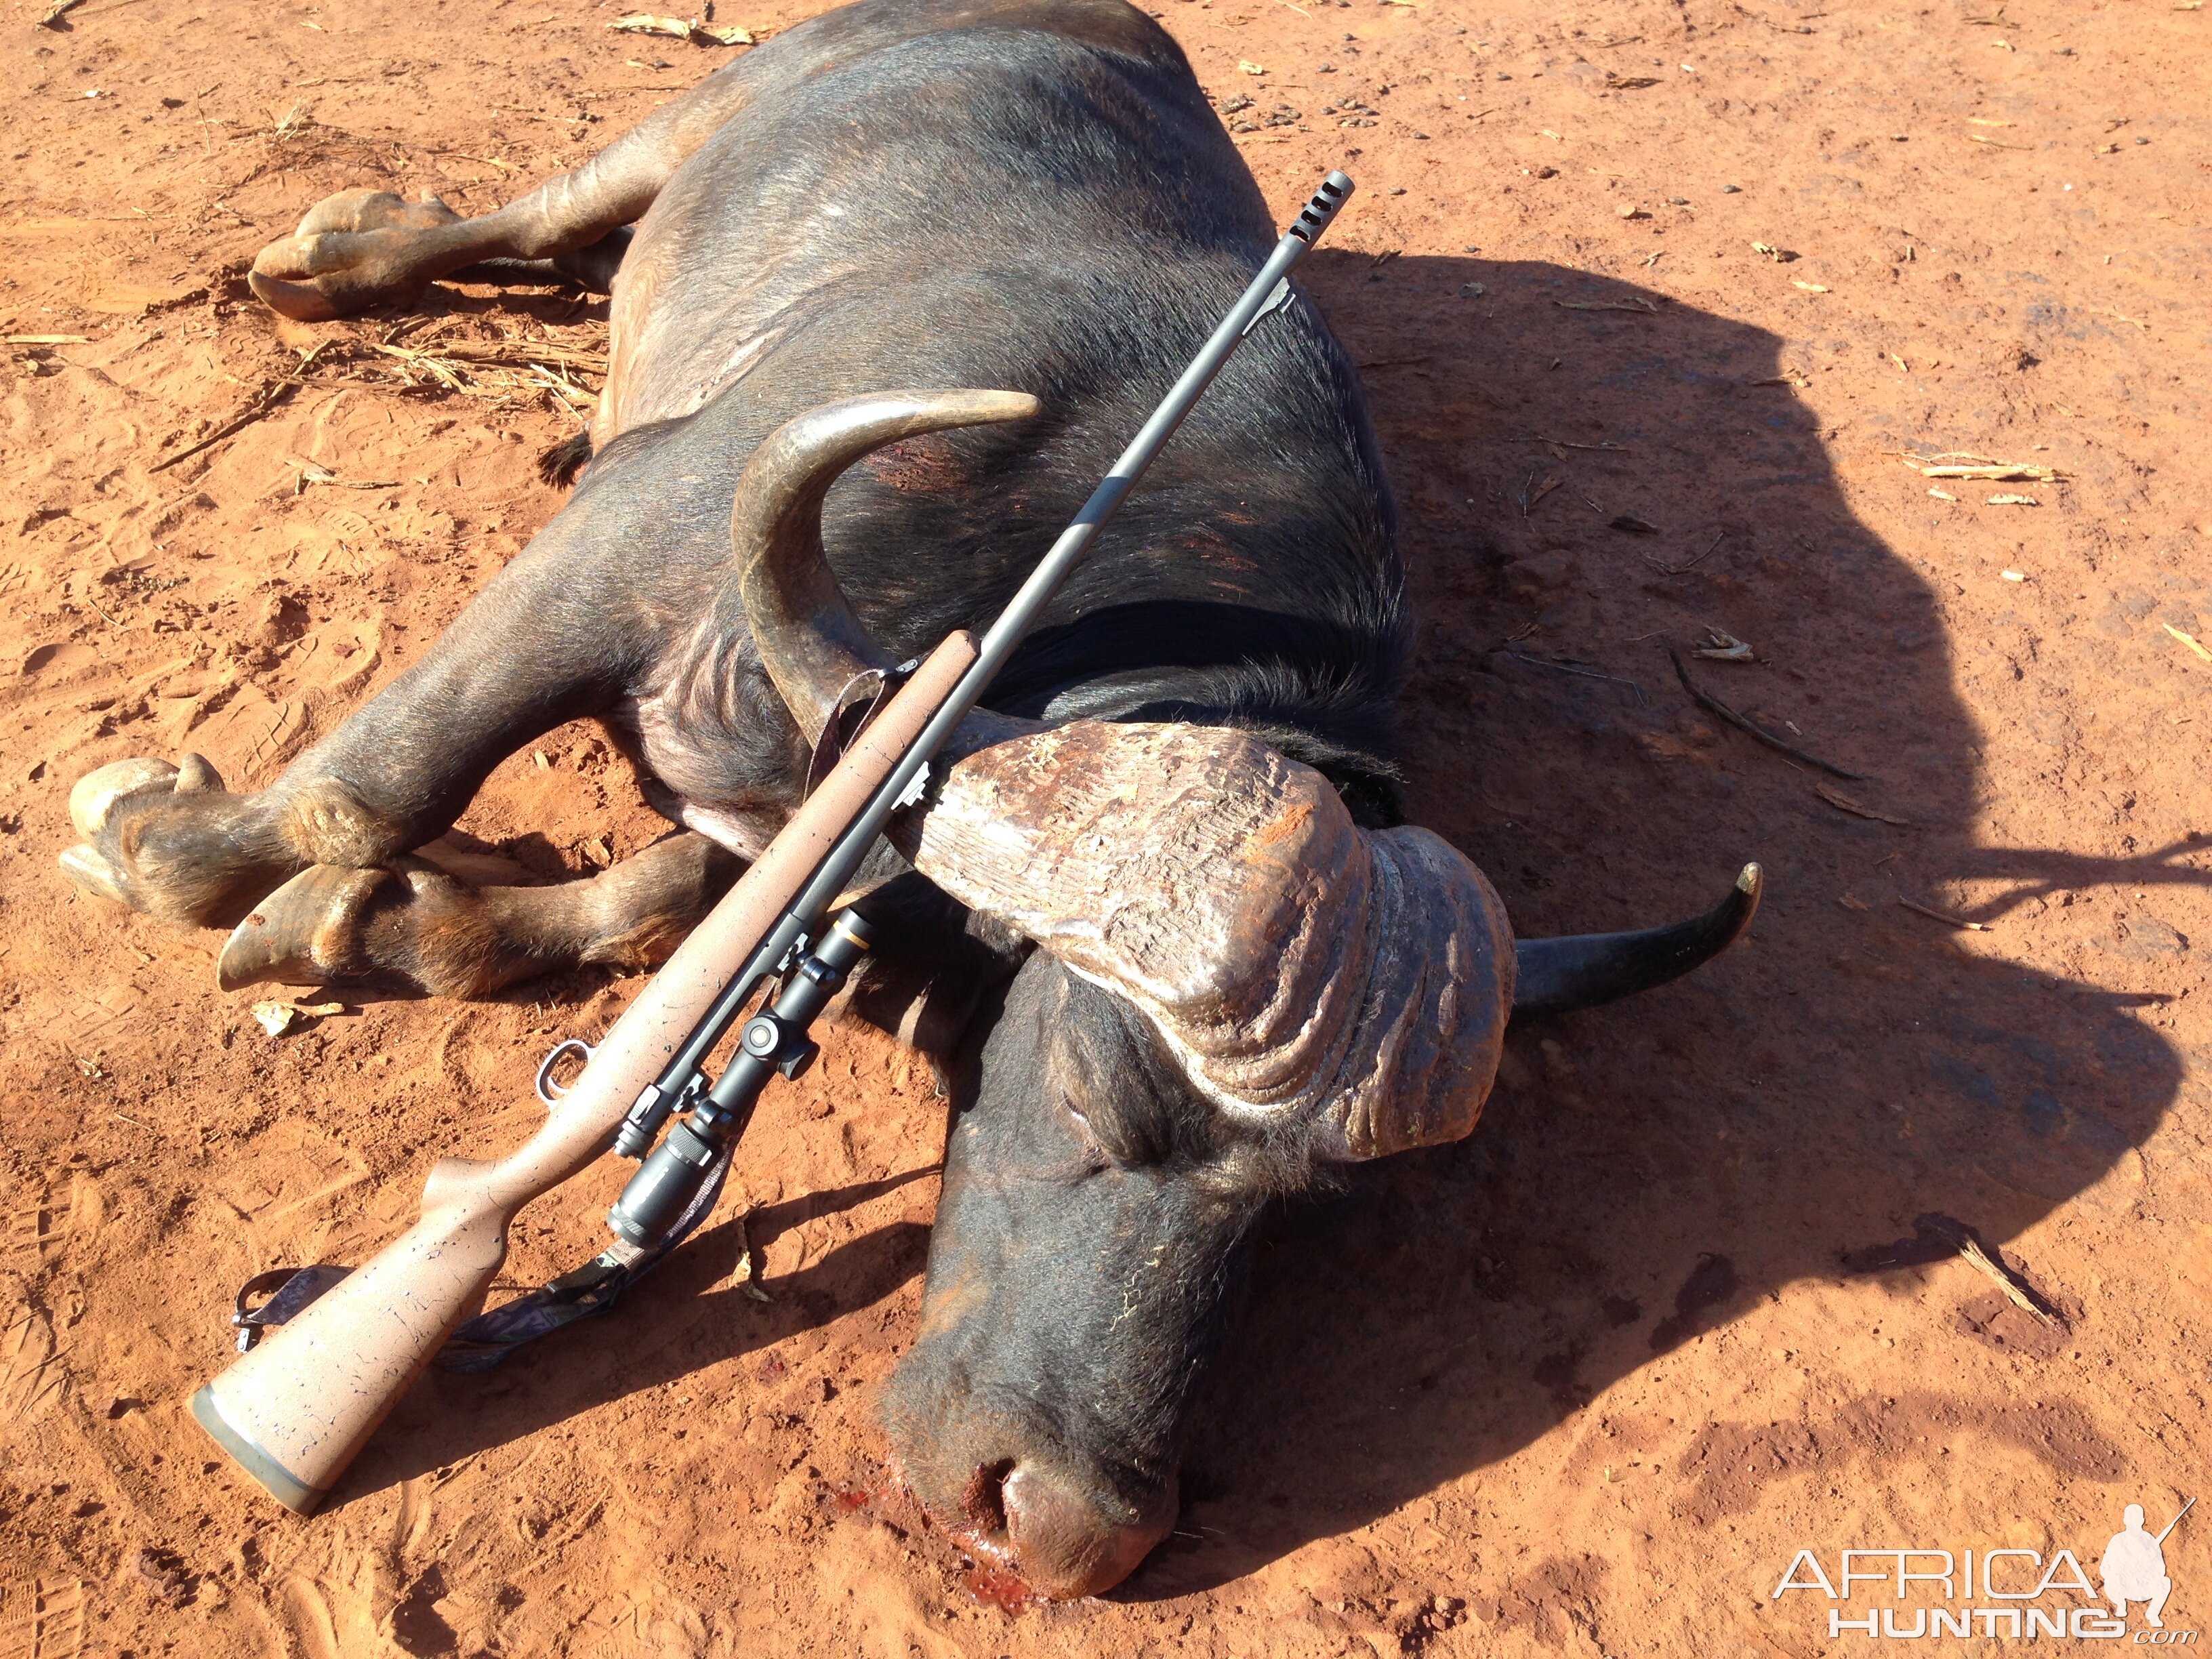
(294, 1410)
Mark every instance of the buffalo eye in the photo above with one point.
(1113, 1077)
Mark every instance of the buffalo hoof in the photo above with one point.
(409, 927)
(354, 250)
(305, 933)
(165, 840)
(91, 803)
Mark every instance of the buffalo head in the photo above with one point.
(1229, 987)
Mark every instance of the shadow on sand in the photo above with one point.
(690, 1314)
(1647, 1172)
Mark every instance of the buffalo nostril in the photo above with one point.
(1062, 1543)
(983, 1500)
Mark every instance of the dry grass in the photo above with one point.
(564, 366)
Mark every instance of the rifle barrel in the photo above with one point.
(1014, 623)
(2176, 1522)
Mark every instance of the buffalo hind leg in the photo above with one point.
(412, 927)
(365, 247)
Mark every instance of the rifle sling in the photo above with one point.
(487, 1340)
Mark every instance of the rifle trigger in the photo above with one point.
(548, 1090)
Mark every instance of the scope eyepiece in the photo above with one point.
(659, 1194)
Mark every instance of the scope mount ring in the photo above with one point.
(548, 1091)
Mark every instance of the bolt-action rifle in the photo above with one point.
(296, 1408)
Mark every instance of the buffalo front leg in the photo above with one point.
(172, 841)
(541, 645)
(413, 927)
(364, 247)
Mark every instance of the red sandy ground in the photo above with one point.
(1583, 1385)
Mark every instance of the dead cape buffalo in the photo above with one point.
(1205, 959)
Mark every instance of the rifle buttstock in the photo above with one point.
(294, 1411)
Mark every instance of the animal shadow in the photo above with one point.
(1645, 1173)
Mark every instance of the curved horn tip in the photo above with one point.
(926, 409)
(1555, 975)
(811, 643)
(994, 405)
(874, 418)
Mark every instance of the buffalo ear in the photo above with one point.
(1111, 1068)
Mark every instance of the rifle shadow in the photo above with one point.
(689, 1314)
(1642, 1176)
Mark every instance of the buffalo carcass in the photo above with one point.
(1182, 791)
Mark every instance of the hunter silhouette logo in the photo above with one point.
(2007, 1591)
(2134, 1567)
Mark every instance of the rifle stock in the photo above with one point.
(294, 1410)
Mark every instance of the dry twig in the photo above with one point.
(750, 1269)
(506, 372)
(262, 401)
(1964, 1239)
(1712, 705)
(1528, 499)
(1945, 917)
(1982, 468)
(696, 30)
(1844, 803)
(1641, 307)
(1573, 668)
(1562, 443)
(1688, 564)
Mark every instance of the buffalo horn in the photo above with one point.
(811, 643)
(1294, 965)
(1581, 971)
